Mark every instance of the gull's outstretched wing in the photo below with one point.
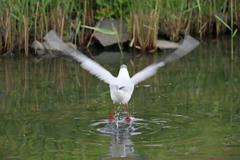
(94, 68)
(188, 44)
(88, 64)
(186, 47)
(146, 73)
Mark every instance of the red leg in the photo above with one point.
(127, 118)
(111, 117)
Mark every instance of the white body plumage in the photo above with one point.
(121, 93)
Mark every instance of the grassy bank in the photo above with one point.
(23, 21)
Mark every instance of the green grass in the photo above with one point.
(22, 22)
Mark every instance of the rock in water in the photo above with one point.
(164, 44)
(37, 45)
(110, 57)
(8, 54)
(106, 39)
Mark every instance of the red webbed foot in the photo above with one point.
(111, 117)
(128, 118)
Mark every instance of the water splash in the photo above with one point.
(119, 124)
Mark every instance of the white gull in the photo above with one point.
(122, 86)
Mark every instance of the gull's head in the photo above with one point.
(123, 66)
(123, 72)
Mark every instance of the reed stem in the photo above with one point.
(147, 20)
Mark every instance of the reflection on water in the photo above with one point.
(121, 145)
(52, 109)
(120, 132)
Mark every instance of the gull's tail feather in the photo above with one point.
(186, 47)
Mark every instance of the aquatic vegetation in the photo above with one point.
(22, 22)
(231, 28)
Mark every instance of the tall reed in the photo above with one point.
(231, 27)
(144, 23)
(147, 19)
(24, 18)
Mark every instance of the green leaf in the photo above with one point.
(148, 27)
(14, 16)
(190, 9)
(78, 27)
(102, 30)
(199, 6)
(235, 32)
(223, 22)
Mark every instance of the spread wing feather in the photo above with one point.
(88, 64)
(146, 73)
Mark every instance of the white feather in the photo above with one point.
(95, 69)
(146, 73)
(88, 64)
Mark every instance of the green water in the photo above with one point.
(52, 109)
